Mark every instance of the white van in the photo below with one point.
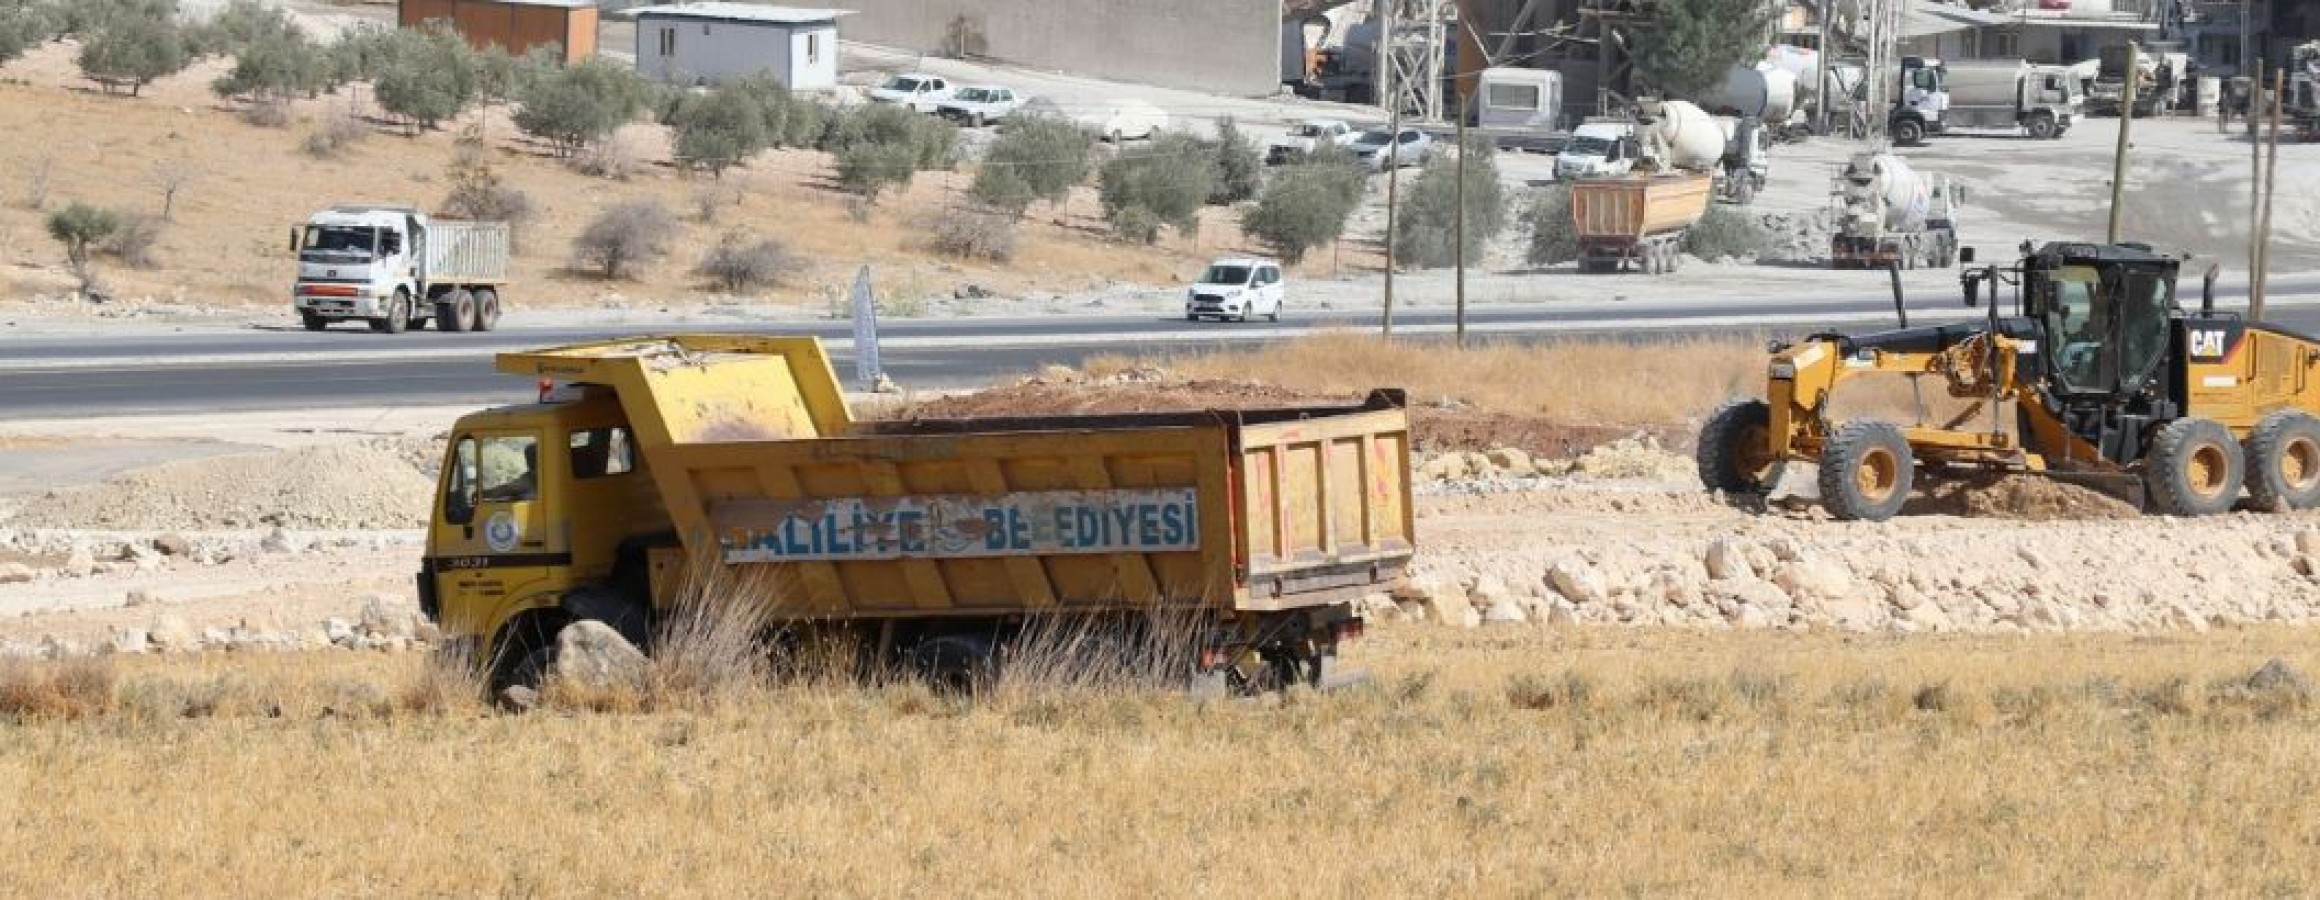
(1111, 120)
(1597, 148)
(1234, 289)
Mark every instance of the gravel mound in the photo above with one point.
(336, 487)
(2028, 498)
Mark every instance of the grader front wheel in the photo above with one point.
(2193, 468)
(1866, 471)
(1735, 452)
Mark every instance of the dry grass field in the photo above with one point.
(1511, 762)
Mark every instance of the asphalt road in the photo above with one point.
(46, 377)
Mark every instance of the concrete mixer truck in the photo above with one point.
(1889, 214)
(1638, 219)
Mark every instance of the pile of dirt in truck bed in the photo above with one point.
(1438, 427)
(327, 487)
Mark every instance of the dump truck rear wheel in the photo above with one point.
(486, 309)
(954, 662)
(2193, 468)
(1866, 471)
(2283, 461)
(455, 311)
(1735, 452)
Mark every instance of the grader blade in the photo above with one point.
(2125, 487)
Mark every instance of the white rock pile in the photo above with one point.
(2137, 575)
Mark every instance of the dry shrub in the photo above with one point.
(741, 263)
(67, 689)
(1576, 380)
(338, 130)
(1572, 690)
(617, 157)
(1097, 653)
(975, 232)
(267, 114)
(715, 639)
(135, 241)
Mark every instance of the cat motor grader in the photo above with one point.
(2099, 377)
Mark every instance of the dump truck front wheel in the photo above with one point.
(1735, 452)
(525, 654)
(2283, 461)
(2193, 468)
(1866, 471)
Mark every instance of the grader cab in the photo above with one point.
(2098, 376)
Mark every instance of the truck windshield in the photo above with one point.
(1589, 145)
(1375, 138)
(339, 243)
(905, 85)
(1315, 130)
(1225, 275)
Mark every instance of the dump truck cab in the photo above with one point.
(656, 474)
(543, 507)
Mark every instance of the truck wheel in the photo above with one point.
(1735, 453)
(1908, 132)
(454, 311)
(2283, 461)
(311, 321)
(486, 309)
(2193, 468)
(2042, 127)
(955, 663)
(398, 315)
(1866, 471)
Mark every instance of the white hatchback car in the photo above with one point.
(917, 90)
(1235, 289)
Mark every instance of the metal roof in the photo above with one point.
(741, 12)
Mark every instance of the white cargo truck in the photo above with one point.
(394, 268)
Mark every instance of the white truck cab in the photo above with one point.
(393, 267)
(1597, 148)
(1236, 288)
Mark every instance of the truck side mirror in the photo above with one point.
(1966, 255)
(2207, 289)
(1973, 285)
(294, 248)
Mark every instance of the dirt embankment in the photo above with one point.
(373, 485)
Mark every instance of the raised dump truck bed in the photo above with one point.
(1255, 522)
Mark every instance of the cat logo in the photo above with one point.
(2208, 343)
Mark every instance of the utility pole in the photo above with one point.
(2126, 128)
(1821, 63)
(2261, 278)
(1390, 155)
(2255, 115)
(1458, 228)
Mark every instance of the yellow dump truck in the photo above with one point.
(654, 466)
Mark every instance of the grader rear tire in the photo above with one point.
(1866, 471)
(2283, 461)
(2193, 468)
(1735, 452)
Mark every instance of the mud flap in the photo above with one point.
(2127, 488)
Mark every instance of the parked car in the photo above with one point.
(917, 90)
(1235, 289)
(980, 104)
(1112, 120)
(1379, 147)
(1310, 135)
